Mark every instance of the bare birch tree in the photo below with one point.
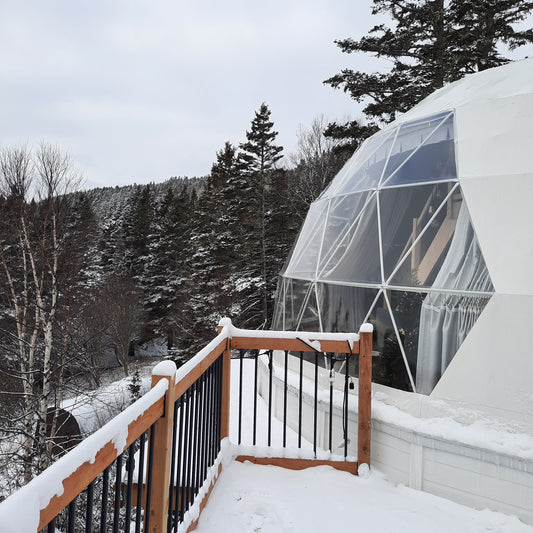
(30, 259)
(315, 164)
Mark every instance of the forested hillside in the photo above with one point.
(86, 277)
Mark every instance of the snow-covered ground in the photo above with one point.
(252, 498)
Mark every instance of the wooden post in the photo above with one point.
(365, 394)
(226, 371)
(162, 450)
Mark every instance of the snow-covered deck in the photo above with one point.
(253, 498)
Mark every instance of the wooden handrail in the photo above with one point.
(88, 471)
(292, 345)
(160, 412)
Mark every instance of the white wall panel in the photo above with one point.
(501, 211)
(494, 137)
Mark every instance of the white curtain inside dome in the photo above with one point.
(446, 319)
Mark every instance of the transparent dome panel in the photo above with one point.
(406, 307)
(388, 367)
(342, 307)
(309, 319)
(369, 173)
(278, 319)
(422, 151)
(464, 267)
(356, 257)
(364, 169)
(406, 213)
(429, 241)
(445, 321)
(344, 212)
(291, 304)
(304, 258)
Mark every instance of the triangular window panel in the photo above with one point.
(356, 256)
(304, 259)
(446, 254)
(388, 367)
(344, 308)
(309, 319)
(344, 212)
(464, 266)
(296, 295)
(366, 170)
(422, 151)
(405, 213)
(406, 306)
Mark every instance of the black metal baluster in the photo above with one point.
(178, 407)
(300, 396)
(140, 484)
(186, 450)
(149, 478)
(89, 508)
(254, 436)
(196, 447)
(118, 482)
(316, 405)
(72, 516)
(190, 454)
(345, 413)
(270, 370)
(205, 426)
(105, 496)
(211, 413)
(331, 378)
(130, 466)
(201, 419)
(241, 357)
(285, 388)
(51, 526)
(219, 405)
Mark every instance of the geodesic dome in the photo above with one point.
(421, 229)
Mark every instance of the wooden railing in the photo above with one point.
(170, 443)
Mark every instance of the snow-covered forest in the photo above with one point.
(90, 278)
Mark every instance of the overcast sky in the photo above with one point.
(140, 91)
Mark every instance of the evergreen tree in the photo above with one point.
(258, 158)
(216, 250)
(429, 43)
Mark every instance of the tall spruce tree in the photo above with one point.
(259, 156)
(216, 250)
(429, 43)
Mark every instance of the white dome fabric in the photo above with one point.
(422, 225)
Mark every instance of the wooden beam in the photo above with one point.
(87, 472)
(294, 345)
(299, 464)
(162, 444)
(365, 398)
